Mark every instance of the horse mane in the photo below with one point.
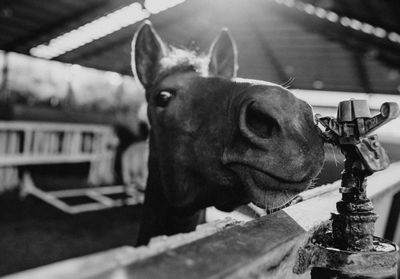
(183, 60)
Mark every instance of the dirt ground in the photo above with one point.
(34, 234)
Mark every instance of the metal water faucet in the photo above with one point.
(347, 248)
(353, 226)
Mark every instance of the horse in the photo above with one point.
(216, 139)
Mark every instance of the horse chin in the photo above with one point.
(267, 191)
(270, 200)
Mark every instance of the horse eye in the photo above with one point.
(163, 98)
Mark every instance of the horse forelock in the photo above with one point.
(182, 60)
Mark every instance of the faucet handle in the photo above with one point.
(388, 112)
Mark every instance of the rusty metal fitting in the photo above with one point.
(348, 207)
(353, 232)
(380, 262)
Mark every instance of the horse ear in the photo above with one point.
(223, 56)
(147, 51)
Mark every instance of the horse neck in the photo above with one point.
(158, 216)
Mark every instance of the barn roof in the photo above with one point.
(277, 39)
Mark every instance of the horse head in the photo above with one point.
(215, 139)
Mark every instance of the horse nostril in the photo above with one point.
(259, 122)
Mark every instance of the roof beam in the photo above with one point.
(388, 51)
(124, 36)
(21, 44)
(95, 51)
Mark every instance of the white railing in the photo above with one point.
(34, 143)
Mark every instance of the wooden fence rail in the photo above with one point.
(263, 248)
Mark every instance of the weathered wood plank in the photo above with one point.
(265, 243)
(96, 264)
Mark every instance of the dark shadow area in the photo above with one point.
(34, 233)
(53, 177)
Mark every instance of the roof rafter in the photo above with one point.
(125, 38)
(388, 51)
(21, 44)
